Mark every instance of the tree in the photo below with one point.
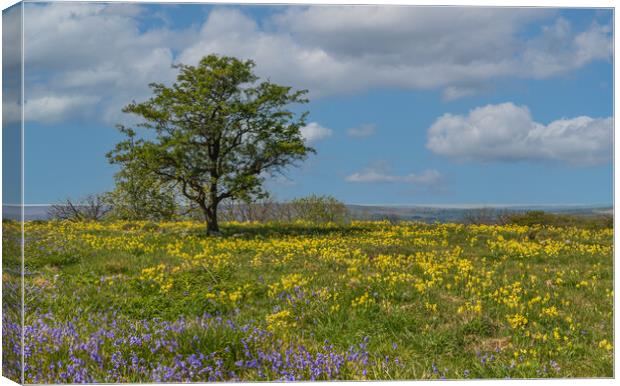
(90, 208)
(216, 133)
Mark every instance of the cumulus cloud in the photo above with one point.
(380, 173)
(97, 50)
(507, 133)
(365, 130)
(277, 55)
(314, 132)
(559, 49)
(434, 47)
(53, 108)
(108, 50)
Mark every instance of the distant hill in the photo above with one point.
(456, 213)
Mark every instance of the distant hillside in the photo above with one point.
(430, 214)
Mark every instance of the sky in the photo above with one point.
(408, 105)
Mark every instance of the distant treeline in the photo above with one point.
(313, 208)
(324, 209)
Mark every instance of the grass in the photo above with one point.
(367, 300)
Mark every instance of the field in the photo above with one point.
(142, 301)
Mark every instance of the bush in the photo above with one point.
(133, 201)
(91, 208)
(318, 209)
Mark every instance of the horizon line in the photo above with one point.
(446, 205)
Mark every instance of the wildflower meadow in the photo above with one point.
(162, 302)
(245, 191)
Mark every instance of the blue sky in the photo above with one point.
(408, 105)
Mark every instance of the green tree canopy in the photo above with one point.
(215, 133)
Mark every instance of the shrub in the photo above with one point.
(318, 209)
(91, 208)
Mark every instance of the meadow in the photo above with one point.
(149, 302)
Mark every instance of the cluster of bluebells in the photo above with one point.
(11, 346)
(109, 349)
(551, 370)
(11, 328)
(438, 373)
(487, 358)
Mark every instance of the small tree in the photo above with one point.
(141, 195)
(217, 133)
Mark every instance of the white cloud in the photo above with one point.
(53, 108)
(313, 132)
(335, 50)
(277, 55)
(105, 49)
(365, 130)
(74, 49)
(379, 173)
(458, 49)
(558, 49)
(507, 133)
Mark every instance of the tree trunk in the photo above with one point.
(211, 220)
(212, 226)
